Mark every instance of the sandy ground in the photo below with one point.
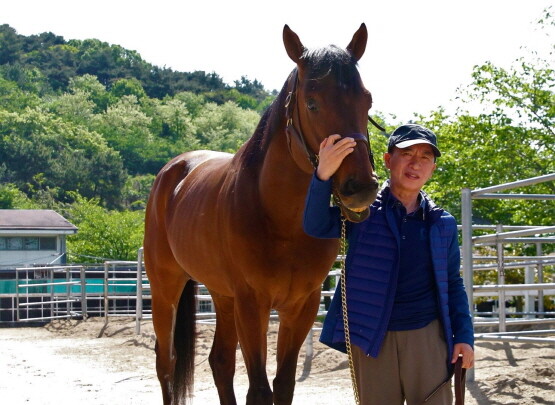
(86, 362)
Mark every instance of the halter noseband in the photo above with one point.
(290, 130)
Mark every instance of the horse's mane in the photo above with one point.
(256, 147)
(320, 63)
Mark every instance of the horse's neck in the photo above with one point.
(282, 184)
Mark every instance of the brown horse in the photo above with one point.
(234, 223)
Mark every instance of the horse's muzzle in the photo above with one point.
(356, 197)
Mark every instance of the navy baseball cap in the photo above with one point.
(412, 134)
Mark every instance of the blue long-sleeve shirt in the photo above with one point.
(415, 303)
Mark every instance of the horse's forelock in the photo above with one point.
(333, 60)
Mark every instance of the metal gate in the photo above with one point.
(44, 293)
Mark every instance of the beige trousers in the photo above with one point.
(410, 365)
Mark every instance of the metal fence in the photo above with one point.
(39, 294)
(205, 308)
(502, 235)
(121, 288)
(48, 293)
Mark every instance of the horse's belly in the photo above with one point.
(230, 263)
(287, 275)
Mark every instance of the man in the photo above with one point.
(407, 309)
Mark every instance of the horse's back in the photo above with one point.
(174, 173)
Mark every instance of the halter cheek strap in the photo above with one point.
(293, 133)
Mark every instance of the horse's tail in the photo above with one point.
(184, 343)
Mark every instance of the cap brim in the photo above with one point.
(406, 144)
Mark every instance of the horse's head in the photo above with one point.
(327, 96)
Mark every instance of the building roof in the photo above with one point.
(44, 220)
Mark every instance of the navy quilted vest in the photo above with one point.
(372, 264)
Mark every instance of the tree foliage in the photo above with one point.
(511, 138)
(83, 116)
(103, 234)
(60, 61)
(85, 126)
(40, 151)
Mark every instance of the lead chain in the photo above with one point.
(343, 249)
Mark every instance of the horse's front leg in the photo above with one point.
(222, 356)
(295, 322)
(252, 314)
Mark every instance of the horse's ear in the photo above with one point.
(293, 44)
(358, 43)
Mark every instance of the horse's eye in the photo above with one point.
(311, 104)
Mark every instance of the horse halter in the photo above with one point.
(290, 130)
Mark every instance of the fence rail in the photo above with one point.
(504, 235)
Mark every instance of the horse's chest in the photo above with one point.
(291, 265)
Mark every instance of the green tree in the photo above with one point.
(511, 138)
(75, 107)
(58, 63)
(29, 80)
(486, 150)
(12, 198)
(13, 99)
(194, 103)
(128, 87)
(10, 45)
(103, 234)
(126, 128)
(95, 91)
(108, 62)
(137, 190)
(226, 127)
(43, 152)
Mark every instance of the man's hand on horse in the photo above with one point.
(333, 150)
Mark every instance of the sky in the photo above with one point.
(418, 53)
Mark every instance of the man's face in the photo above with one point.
(411, 167)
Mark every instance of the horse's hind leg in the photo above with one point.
(222, 356)
(295, 322)
(167, 281)
(165, 301)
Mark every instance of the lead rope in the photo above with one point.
(343, 250)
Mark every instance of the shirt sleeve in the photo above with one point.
(459, 312)
(320, 220)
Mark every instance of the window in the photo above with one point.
(14, 243)
(29, 243)
(48, 243)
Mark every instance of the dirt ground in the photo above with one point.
(86, 362)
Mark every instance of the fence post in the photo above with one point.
(53, 305)
(139, 300)
(501, 280)
(528, 297)
(83, 292)
(69, 304)
(106, 293)
(466, 221)
(539, 253)
(17, 295)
